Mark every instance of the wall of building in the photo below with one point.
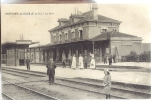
(125, 47)
(94, 31)
(85, 32)
(69, 35)
(90, 30)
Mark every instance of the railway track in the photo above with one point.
(7, 97)
(23, 72)
(14, 74)
(119, 90)
(17, 92)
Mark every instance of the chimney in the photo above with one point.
(95, 11)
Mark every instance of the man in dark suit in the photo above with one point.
(70, 60)
(28, 63)
(51, 70)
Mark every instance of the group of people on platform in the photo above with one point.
(81, 63)
(109, 59)
(51, 66)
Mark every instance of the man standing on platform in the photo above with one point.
(105, 59)
(63, 60)
(70, 60)
(85, 61)
(110, 60)
(114, 58)
(28, 63)
(51, 70)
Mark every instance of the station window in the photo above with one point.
(66, 36)
(73, 35)
(80, 34)
(60, 37)
(54, 38)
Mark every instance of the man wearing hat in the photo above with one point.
(28, 63)
(51, 70)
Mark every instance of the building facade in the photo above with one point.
(86, 33)
(90, 33)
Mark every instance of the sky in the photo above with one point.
(136, 19)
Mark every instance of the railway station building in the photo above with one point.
(86, 33)
(15, 53)
(89, 33)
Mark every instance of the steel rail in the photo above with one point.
(14, 74)
(89, 90)
(89, 83)
(22, 72)
(7, 96)
(51, 97)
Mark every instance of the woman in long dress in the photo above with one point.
(81, 62)
(73, 62)
(107, 84)
(92, 63)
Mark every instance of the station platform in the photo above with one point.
(140, 78)
(134, 64)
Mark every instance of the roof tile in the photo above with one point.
(88, 17)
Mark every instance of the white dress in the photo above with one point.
(92, 63)
(73, 62)
(81, 62)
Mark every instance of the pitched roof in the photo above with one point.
(105, 35)
(87, 16)
(119, 34)
(106, 19)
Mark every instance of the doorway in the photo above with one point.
(21, 62)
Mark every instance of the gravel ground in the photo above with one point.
(57, 90)
(62, 92)
(12, 78)
(5, 98)
(43, 86)
(19, 93)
